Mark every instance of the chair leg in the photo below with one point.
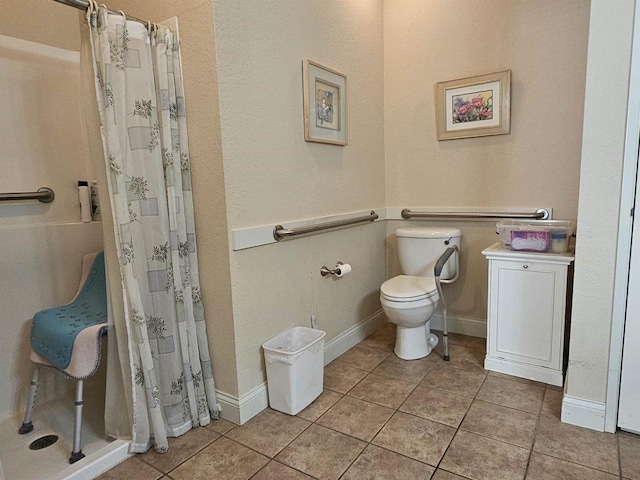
(76, 453)
(27, 424)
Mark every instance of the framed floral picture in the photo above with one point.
(325, 104)
(474, 106)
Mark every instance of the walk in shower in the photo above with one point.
(42, 247)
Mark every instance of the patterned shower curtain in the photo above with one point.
(138, 83)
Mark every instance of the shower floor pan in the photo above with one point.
(18, 462)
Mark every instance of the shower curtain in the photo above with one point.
(152, 265)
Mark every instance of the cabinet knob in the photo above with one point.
(525, 266)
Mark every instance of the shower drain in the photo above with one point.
(43, 442)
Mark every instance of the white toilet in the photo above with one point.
(409, 300)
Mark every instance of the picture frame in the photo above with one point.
(474, 106)
(325, 104)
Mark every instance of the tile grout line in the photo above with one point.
(588, 467)
(396, 410)
(190, 456)
(378, 431)
(619, 457)
(368, 372)
(540, 417)
(270, 459)
(367, 443)
(458, 428)
(278, 452)
(430, 366)
(535, 435)
(434, 364)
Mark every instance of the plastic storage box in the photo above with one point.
(295, 367)
(536, 236)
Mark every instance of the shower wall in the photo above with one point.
(42, 244)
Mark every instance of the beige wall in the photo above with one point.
(41, 21)
(537, 165)
(42, 244)
(610, 36)
(195, 20)
(273, 176)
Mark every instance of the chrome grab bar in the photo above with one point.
(44, 195)
(279, 232)
(539, 214)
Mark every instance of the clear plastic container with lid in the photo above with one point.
(536, 235)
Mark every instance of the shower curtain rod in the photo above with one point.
(84, 5)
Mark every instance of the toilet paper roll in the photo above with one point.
(343, 270)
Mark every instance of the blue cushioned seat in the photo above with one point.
(54, 331)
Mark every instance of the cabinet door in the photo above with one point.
(527, 302)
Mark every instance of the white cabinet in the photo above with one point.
(526, 313)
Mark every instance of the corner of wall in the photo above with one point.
(606, 95)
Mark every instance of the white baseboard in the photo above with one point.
(241, 410)
(583, 413)
(352, 336)
(474, 327)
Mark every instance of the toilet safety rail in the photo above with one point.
(539, 214)
(280, 233)
(437, 271)
(44, 195)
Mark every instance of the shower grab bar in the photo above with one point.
(539, 214)
(44, 195)
(280, 233)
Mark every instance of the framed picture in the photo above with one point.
(325, 104)
(474, 106)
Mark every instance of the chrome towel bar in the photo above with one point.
(539, 214)
(279, 232)
(44, 195)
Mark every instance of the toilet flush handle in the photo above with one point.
(447, 241)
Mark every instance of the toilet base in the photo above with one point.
(413, 343)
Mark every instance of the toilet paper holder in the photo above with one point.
(340, 270)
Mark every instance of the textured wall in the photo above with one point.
(195, 18)
(41, 21)
(41, 267)
(42, 141)
(429, 41)
(279, 286)
(273, 176)
(42, 244)
(600, 179)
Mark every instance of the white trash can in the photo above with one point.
(295, 367)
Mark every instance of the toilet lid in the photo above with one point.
(408, 287)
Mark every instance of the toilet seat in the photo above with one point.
(408, 288)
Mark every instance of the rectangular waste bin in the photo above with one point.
(295, 367)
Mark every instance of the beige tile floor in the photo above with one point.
(383, 418)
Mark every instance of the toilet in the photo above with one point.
(409, 300)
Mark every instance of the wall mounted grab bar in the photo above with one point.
(539, 214)
(44, 195)
(279, 232)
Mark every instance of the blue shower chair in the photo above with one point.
(69, 339)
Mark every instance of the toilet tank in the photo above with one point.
(420, 247)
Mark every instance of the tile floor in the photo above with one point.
(383, 418)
